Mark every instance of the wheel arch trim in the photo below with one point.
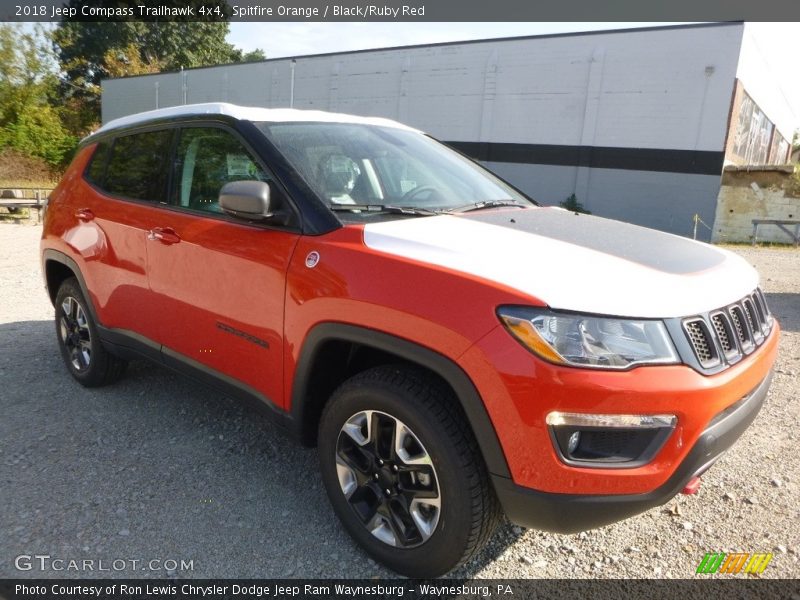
(50, 255)
(465, 391)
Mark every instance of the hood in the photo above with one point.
(574, 262)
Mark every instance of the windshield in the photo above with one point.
(377, 170)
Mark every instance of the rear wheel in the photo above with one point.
(403, 472)
(83, 353)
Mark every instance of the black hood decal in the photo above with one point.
(654, 249)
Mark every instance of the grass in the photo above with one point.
(772, 245)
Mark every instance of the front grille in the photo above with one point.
(725, 335)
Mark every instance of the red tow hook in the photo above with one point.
(691, 487)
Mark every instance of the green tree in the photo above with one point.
(29, 121)
(253, 55)
(88, 52)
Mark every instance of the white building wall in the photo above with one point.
(648, 89)
(663, 89)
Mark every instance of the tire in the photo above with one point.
(440, 475)
(83, 353)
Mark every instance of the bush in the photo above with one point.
(37, 132)
(573, 205)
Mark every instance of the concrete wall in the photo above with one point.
(756, 193)
(589, 95)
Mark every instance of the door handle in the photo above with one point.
(84, 214)
(165, 235)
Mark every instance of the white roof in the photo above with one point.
(248, 113)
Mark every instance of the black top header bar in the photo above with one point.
(398, 10)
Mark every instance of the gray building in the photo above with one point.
(636, 123)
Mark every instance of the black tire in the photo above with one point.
(468, 511)
(83, 353)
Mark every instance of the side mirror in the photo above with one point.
(246, 200)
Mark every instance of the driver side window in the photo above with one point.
(206, 159)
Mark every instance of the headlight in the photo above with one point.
(588, 341)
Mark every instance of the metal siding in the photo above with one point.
(665, 201)
(662, 89)
(650, 89)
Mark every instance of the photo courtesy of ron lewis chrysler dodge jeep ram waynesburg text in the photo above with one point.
(455, 351)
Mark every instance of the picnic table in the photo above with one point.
(782, 224)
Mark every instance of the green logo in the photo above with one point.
(735, 562)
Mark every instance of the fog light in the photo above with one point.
(608, 441)
(573, 442)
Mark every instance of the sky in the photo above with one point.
(776, 41)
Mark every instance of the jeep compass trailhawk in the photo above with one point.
(455, 350)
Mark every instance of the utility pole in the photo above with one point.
(291, 85)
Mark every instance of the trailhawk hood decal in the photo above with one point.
(574, 262)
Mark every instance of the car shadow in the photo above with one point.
(785, 306)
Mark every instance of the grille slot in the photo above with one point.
(752, 319)
(723, 336)
(702, 342)
(762, 302)
(742, 330)
(762, 314)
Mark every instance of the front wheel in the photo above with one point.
(83, 353)
(403, 472)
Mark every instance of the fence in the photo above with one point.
(14, 199)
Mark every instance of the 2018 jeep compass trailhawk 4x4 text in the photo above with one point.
(455, 350)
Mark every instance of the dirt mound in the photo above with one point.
(17, 170)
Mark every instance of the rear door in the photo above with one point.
(116, 205)
(219, 283)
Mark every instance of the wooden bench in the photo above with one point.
(782, 224)
(16, 198)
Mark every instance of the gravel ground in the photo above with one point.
(159, 468)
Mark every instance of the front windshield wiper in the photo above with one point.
(485, 204)
(384, 208)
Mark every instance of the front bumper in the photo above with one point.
(571, 513)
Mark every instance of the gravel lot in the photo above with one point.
(159, 468)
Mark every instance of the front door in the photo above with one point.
(219, 283)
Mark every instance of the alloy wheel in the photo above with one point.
(388, 479)
(73, 326)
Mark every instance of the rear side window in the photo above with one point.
(138, 166)
(97, 168)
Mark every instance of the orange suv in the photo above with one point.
(455, 350)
